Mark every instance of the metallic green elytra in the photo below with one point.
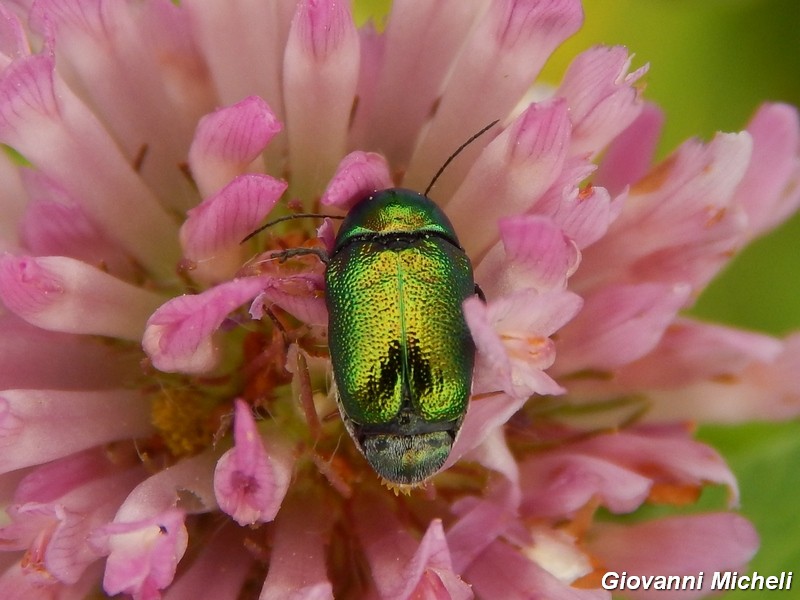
(401, 351)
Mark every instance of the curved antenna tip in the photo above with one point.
(457, 152)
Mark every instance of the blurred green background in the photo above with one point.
(712, 62)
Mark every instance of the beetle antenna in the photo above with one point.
(288, 218)
(457, 152)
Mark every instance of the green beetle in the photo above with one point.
(401, 351)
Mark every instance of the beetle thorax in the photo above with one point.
(395, 211)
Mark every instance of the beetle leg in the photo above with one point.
(479, 293)
(284, 255)
(278, 325)
(306, 396)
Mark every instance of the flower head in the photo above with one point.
(167, 419)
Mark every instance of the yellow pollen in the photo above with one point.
(184, 420)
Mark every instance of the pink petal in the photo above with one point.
(401, 567)
(430, 572)
(230, 36)
(141, 101)
(535, 254)
(699, 179)
(676, 546)
(372, 49)
(665, 455)
(27, 91)
(220, 572)
(558, 551)
(54, 224)
(249, 480)
(503, 55)
(504, 572)
(301, 295)
(480, 524)
(693, 351)
(512, 337)
(148, 537)
(8, 488)
(630, 154)
(35, 358)
(763, 389)
(37, 426)
(678, 224)
(518, 166)
(187, 484)
(601, 96)
(494, 454)
(558, 485)
(327, 235)
(298, 566)
(386, 543)
(173, 41)
(42, 119)
(493, 360)
(144, 554)
(617, 325)
(212, 233)
(586, 214)
(319, 78)
(484, 415)
(63, 294)
(358, 175)
(179, 335)
(19, 583)
(770, 190)
(228, 140)
(13, 40)
(60, 477)
(57, 505)
(699, 262)
(389, 118)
